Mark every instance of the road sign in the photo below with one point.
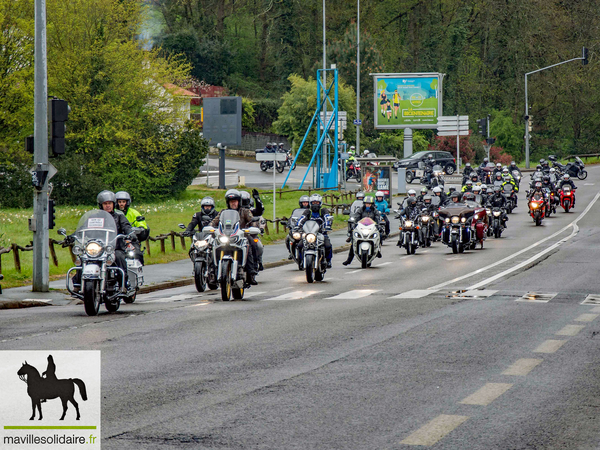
(279, 156)
(357, 122)
(453, 133)
(342, 119)
(453, 127)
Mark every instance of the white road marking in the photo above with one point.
(522, 366)
(589, 184)
(415, 293)
(355, 271)
(570, 330)
(358, 293)
(549, 346)
(477, 293)
(198, 304)
(487, 394)
(384, 264)
(295, 295)
(283, 289)
(596, 309)
(533, 297)
(586, 318)
(453, 258)
(254, 294)
(435, 430)
(174, 298)
(514, 255)
(592, 299)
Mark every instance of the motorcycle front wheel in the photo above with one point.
(309, 268)
(131, 298)
(454, 244)
(238, 294)
(91, 297)
(538, 221)
(567, 206)
(279, 167)
(364, 260)
(199, 278)
(226, 281)
(112, 306)
(582, 175)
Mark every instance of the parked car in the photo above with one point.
(411, 164)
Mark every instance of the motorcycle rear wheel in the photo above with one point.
(199, 278)
(582, 175)
(264, 166)
(91, 297)
(309, 268)
(226, 281)
(409, 177)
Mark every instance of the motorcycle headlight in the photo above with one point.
(455, 219)
(356, 234)
(488, 211)
(310, 238)
(425, 218)
(447, 220)
(375, 235)
(77, 250)
(463, 220)
(93, 249)
(296, 236)
(408, 223)
(201, 244)
(534, 205)
(496, 213)
(223, 239)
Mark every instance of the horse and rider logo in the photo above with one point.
(47, 387)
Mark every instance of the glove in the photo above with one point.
(255, 194)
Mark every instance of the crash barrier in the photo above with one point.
(585, 156)
(330, 201)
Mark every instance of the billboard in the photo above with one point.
(407, 100)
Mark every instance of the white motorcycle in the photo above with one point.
(366, 241)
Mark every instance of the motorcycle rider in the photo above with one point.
(203, 217)
(454, 197)
(368, 210)
(124, 205)
(411, 210)
(451, 189)
(304, 204)
(382, 206)
(566, 179)
(250, 203)
(424, 192)
(497, 200)
(468, 170)
(497, 169)
(437, 191)
(468, 187)
(553, 176)
(498, 180)
(322, 215)
(545, 166)
(233, 199)
(354, 208)
(429, 163)
(513, 167)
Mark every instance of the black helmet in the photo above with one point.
(455, 194)
(546, 179)
(411, 201)
(106, 196)
(233, 194)
(474, 177)
(468, 196)
(122, 195)
(246, 198)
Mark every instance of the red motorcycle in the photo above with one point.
(537, 207)
(567, 197)
(353, 170)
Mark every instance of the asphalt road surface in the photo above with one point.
(496, 348)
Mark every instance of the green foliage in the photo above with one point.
(392, 143)
(508, 134)
(248, 114)
(299, 106)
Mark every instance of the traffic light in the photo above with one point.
(530, 124)
(58, 111)
(585, 52)
(482, 126)
(51, 214)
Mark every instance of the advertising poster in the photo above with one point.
(407, 100)
(377, 178)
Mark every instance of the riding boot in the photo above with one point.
(350, 257)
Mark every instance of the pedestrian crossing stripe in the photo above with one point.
(295, 295)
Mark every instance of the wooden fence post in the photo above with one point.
(182, 239)
(162, 245)
(53, 253)
(172, 233)
(267, 228)
(277, 225)
(16, 257)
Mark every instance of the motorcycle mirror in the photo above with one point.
(346, 212)
(182, 226)
(62, 232)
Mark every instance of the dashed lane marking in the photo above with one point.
(487, 394)
(254, 294)
(522, 366)
(596, 309)
(570, 330)
(435, 430)
(586, 318)
(549, 346)
(383, 264)
(295, 295)
(592, 299)
(355, 271)
(416, 293)
(358, 293)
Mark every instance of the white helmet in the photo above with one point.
(552, 170)
(366, 152)
(379, 194)
(476, 188)
(411, 192)
(437, 189)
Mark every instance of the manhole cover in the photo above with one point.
(592, 299)
(536, 297)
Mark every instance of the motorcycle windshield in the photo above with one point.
(437, 168)
(578, 159)
(296, 214)
(508, 188)
(311, 226)
(436, 200)
(229, 222)
(567, 189)
(367, 221)
(96, 224)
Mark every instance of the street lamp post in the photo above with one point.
(357, 76)
(526, 117)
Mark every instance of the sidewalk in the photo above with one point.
(157, 276)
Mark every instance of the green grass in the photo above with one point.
(162, 217)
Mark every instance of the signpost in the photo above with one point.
(277, 156)
(454, 126)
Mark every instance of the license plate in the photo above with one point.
(418, 173)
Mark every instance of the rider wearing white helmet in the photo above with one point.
(382, 206)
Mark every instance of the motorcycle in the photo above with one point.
(294, 237)
(510, 196)
(436, 179)
(537, 208)
(573, 168)
(366, 241)
(409, 235)
(496, 225)
(230, 252)
(567, 197)
(201, 256)
(268, 165)
(426, 222)
(96, 239)
(313, 242)
(353, 171)
(464, 226)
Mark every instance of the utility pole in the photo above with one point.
(358, 77)
(584, 61)
(41, 266)
(324, 146)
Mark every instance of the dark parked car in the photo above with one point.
(411, 164)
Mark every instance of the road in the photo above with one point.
(434, 349)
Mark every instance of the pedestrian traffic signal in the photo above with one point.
(482, 126)
(51, 215)
(59, 113)
(584, 59)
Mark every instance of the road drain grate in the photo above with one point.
(592, 299)
(537, 297)
(474, 293)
